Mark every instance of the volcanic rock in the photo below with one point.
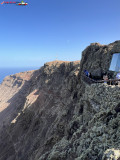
(54, 114)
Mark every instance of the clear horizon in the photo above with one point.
(11, 71)
(47, 30)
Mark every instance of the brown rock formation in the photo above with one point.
(12, 95)
(97, 58)
(57, 115)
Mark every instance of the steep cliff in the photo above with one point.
(13, 91)
(53, 114)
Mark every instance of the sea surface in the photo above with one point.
(9, 71)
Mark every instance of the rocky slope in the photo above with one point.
(12, 94)
(53, 114)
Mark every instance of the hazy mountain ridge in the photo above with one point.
(12, 90)
(62, 117)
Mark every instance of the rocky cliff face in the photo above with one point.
(13, 91)
(97, 58)
(53, 114)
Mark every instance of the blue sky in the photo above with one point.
(49, 29)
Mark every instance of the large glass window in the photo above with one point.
(115, 63)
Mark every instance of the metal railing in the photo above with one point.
(91, 81)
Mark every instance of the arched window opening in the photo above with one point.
(115, 63)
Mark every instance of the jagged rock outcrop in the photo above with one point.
(61, 117)
(97, 58)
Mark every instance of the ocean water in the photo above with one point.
(9, 71)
